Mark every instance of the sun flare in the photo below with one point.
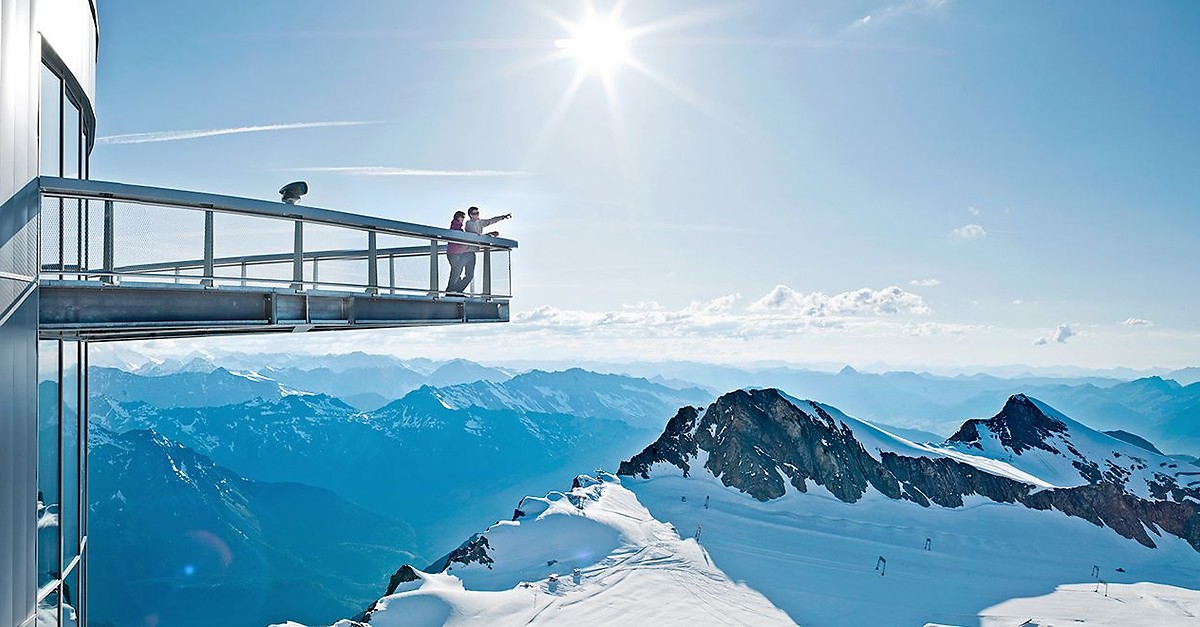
(601, 45)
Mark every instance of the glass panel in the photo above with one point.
(50, 116)
(83, 481)
(47, 611)
(70, 599)
(70, 452)
(48, 462)
(70, 139)
(81, 605)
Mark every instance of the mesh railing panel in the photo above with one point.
(166, 243)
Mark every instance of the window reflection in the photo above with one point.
(48, 506)
(47, 611)
(50, 123)
(70, 451)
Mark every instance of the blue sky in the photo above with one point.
(923, 182)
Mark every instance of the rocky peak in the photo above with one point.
(406, 574)
(758, 441)
(676, 446)
(1020, 426)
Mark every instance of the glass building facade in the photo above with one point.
(47, 74)
(64, 139)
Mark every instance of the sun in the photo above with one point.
(599, 44)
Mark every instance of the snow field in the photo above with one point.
(1118, 605)
(815, 557)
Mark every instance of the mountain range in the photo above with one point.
(834, 521)
(419, 473)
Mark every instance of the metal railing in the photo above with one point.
(113, 232)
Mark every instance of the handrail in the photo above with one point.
(258, 260)
(77, 258)
(124, 192)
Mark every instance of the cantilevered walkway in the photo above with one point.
(131, 262)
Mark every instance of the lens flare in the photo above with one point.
(601, 45)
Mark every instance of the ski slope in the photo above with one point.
(816, 557)
(1116, 605)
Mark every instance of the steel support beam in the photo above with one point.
(93, 310)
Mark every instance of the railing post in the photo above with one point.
(372, 264)
(392, 273)
(243, 274)
(298, 258)
(209, 271)
(433, 268)
(86, 259)
(81, 265)
(62, 234)
(109, 220)
(487, 273)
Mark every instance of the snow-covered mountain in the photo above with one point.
(207, 388)
(590, 556)
(637, 402)
(1039, 440)
(763, 441)
(959, 527)
(441, 450)
(835, 522)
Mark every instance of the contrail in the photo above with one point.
(388, 171)
(170, 136)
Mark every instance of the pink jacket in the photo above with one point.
(452, 248)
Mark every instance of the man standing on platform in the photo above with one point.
(476, 225)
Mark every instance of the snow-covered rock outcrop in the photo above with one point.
(590, 556)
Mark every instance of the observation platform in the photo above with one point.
(123, 262)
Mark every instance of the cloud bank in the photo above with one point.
(887, 301)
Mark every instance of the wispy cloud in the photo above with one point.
(975, 211)
(970, 231)
(925, 282)
(170, 136)
(390, 171)
(1137, 322)
(895, 10)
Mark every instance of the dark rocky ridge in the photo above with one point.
(755, 439)
(1020, 425)
(472, 551)
(1134, 439)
